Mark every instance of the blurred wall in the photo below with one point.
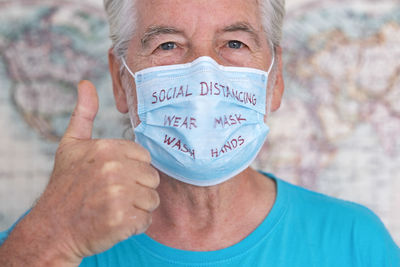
(336, 131)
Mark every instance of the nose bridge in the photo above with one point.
(203, 46)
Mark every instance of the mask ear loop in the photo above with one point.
(127, 68)
(131, 106)
(270, 94)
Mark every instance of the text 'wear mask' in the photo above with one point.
(202, 123)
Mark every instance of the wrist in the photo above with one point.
(34, 243)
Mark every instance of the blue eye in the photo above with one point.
(235, 44)
(168, 46)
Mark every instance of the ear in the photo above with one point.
(279, 83)
(118, 90)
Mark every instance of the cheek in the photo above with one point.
(239, 57)
(164, 60)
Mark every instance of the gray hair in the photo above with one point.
(122, 17)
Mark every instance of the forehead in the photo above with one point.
(193, 15)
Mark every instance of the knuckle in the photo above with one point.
(60, 150)
(103, 146)
(124, 143)
(112, 207)
(111, 168)
(63, 151)
(113, 191)
(116, 219)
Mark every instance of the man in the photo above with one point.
(108, 203)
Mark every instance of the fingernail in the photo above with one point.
(81, 82)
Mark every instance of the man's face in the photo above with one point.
(179, 31)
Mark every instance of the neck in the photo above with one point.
(209, 218)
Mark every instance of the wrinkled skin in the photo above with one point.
(100, 193)
(103, 191)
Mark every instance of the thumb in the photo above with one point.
(81, 123)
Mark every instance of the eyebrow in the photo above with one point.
(154, 31)
(244, 27)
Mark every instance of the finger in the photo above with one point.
(81, 123)
(139, 221)
(148, 176)
(146, 199)
(133, 151)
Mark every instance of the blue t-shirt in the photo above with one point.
(303, 228)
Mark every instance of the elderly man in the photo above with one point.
(198, 78)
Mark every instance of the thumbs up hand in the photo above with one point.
(100, 192)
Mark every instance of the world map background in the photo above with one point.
(336, 131)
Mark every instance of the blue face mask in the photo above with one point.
(203, 123)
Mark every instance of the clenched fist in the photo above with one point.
(100, 192)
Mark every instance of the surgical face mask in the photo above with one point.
(202, 123)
